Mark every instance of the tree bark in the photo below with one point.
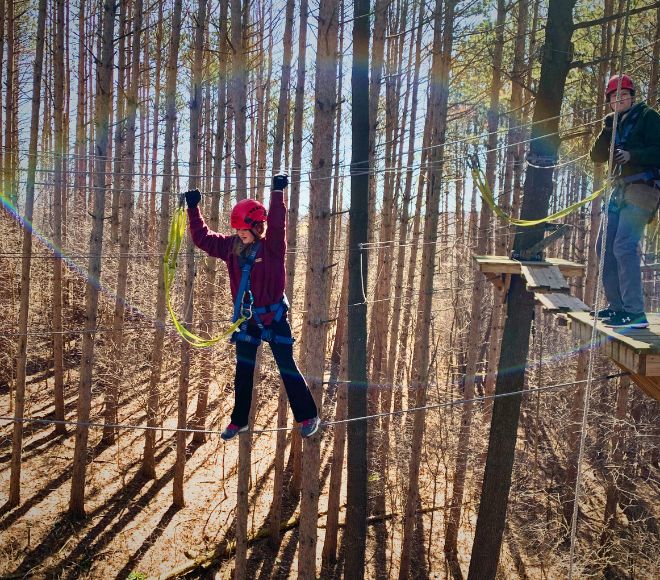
(318, 271)
(474, 333)
(149, 462)
(294, 203)
(126, 201)
(358, 268)
(438, 100)
(239, 97)
(58, 221)
(101, 122)
(194, 166)
(520, 304)
(21, 354)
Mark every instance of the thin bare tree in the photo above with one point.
(26, 262)
(101, 121)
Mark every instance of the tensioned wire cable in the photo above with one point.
(435, 406)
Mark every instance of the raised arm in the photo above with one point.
(276, 232)
(213, 243)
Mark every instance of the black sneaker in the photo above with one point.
(231, 431)
(603, 314)
(628, 320)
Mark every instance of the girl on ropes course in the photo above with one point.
(255, 261)
(634, 200)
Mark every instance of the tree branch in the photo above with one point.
(597, 21)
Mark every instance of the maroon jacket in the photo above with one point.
(268, 276)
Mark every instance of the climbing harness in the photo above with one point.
(244, 309)
(487, 195)
(177, 231)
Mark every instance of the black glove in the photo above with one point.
(280, 182)
(608, 123)
(193, 197)
(621, 156)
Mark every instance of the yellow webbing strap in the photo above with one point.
(177, 232)
(487, 196)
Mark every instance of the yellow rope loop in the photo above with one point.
(487, 196)
(174, 241)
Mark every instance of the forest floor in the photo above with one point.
(132, 531)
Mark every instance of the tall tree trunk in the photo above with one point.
(275, 517)
(403, 225)
(149, 462)
(294, 203)
(520, 304)
(654, 78)
(80, 199)
(156, 111)
(442, 46)
(120, 130)
(126, 198)
(8, 169)
(283, 101)
(239, 97)
(194, 166)
(207, 307)
(103, 104)
(615, 465)
(474, 334)
(377, 52)
(318, 270)
(60, 197)
(356, 331)
(21, 355)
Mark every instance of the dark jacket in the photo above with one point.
(642, 142)
(268, 276)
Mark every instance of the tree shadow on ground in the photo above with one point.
(80, 559)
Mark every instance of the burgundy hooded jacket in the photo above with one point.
(268, 276)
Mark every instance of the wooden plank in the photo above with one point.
(560, 302)
(650, 385)
(505, 265)
(540, 278)
(642, 341)
(652, 365)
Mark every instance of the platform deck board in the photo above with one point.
(505, 265)
(546, 278)
(560, 302)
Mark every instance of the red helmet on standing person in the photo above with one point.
(613, 85)
(247, 213)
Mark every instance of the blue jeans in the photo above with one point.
(622, 276)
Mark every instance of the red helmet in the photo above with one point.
(247, 213)
(613, 84)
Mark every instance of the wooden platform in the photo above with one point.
(634, 350)
(504, 265)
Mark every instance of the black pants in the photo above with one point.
(301, 400)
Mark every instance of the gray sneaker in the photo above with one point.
(309, 426)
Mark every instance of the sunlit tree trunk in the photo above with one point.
(149, 462)
(194, 166)
(474, 336)
(58, 220)
(207, 307)
(126, 199)
(21, 354)
(239, 97)
(101, 120)
(438, 99)
(294, 203)
(318, 273)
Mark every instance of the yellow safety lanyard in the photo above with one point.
(177, 232)
(487, 196)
